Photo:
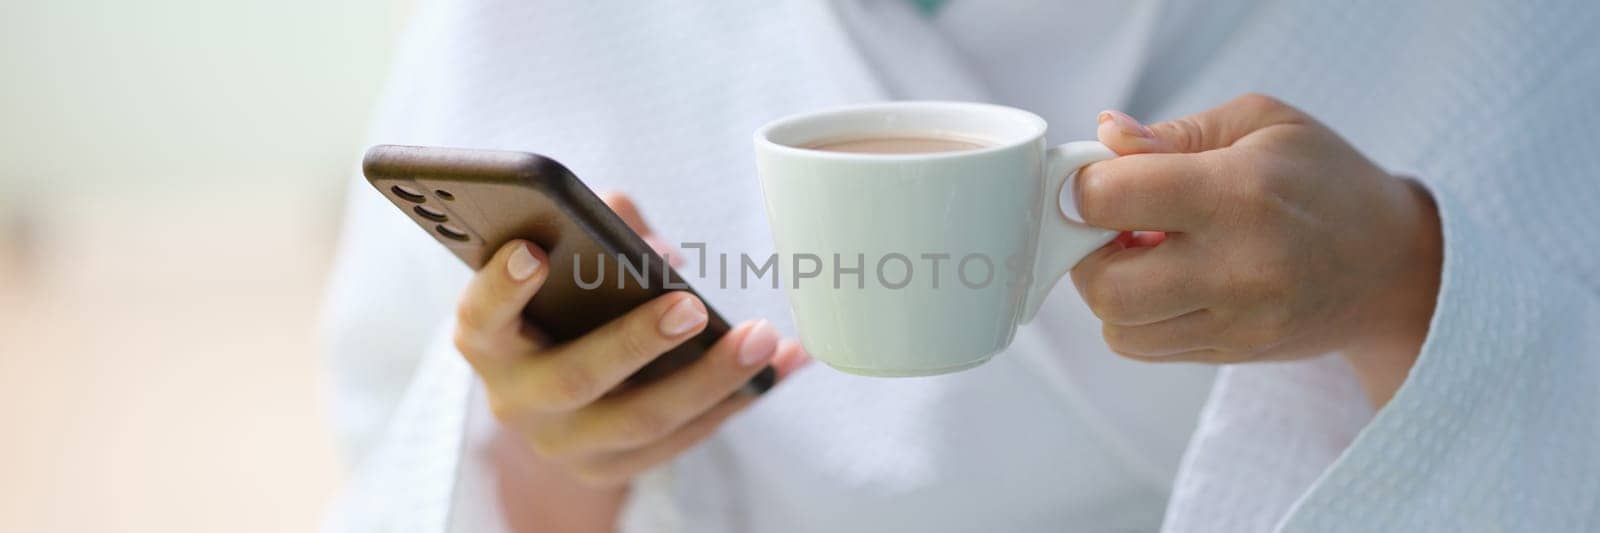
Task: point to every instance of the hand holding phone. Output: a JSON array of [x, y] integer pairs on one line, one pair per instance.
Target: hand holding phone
[[601, 381], [556, 395]]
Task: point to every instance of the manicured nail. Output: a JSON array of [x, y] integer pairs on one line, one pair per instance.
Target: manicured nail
[[681, 318], [759, 344], [522, 264], [1127, 124], [797, 357]]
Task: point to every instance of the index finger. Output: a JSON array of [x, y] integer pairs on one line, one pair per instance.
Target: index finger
[[583, 369], [1161, 192], [627, 211]]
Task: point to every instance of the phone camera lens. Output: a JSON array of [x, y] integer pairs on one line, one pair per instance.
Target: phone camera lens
[[409, 193], [452, 232], [445, 194], [430, 214]]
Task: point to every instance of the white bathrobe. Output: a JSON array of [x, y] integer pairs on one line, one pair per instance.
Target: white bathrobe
[[1491, 105]]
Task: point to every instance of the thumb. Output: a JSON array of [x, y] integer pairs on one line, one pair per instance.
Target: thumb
[[1215, 128]]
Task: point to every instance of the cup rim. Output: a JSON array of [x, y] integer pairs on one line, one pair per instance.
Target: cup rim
[[763, 135]]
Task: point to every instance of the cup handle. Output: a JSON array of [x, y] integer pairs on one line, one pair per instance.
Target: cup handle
[[1062, 241]]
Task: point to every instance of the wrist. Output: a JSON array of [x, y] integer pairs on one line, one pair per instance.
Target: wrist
[[1399, 315]]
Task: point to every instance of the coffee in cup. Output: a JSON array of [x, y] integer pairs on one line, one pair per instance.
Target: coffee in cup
[[910, 143]]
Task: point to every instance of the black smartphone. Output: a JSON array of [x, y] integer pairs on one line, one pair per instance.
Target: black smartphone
[[474, 201]]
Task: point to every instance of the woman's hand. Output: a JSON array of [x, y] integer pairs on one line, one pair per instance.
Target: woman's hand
[[556, 397], [1261, 235]]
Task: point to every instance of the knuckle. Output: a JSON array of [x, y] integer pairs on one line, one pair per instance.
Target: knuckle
[[466, 342], [1189, 133], [466, 317], [1096, 295], [568, 387], [469, 317], [638, 340], [1258, 193], [505, 411], [549, 446], [1258, 102], [473, 345], [1271, 109], [1116, 338], [1107, 300], [541, 442], [644, 426]]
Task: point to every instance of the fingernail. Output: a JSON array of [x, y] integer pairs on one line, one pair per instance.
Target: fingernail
[[1127, 124], [759, 344], [680, 318], [522, 264], [796, 359]]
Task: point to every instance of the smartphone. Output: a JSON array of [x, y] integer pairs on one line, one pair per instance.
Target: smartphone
[[474, 201]]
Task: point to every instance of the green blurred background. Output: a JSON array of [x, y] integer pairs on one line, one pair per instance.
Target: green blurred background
[[171, 173]]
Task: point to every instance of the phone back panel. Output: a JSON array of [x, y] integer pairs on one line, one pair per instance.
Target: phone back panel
[[474, 201]]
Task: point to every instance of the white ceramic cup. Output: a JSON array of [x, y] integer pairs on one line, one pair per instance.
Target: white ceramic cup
[[886, 253]]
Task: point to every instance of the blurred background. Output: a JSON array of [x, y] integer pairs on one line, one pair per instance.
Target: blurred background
[[171, 174]]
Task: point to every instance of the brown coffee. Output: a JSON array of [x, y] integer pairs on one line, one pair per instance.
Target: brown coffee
[[901, 144]]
